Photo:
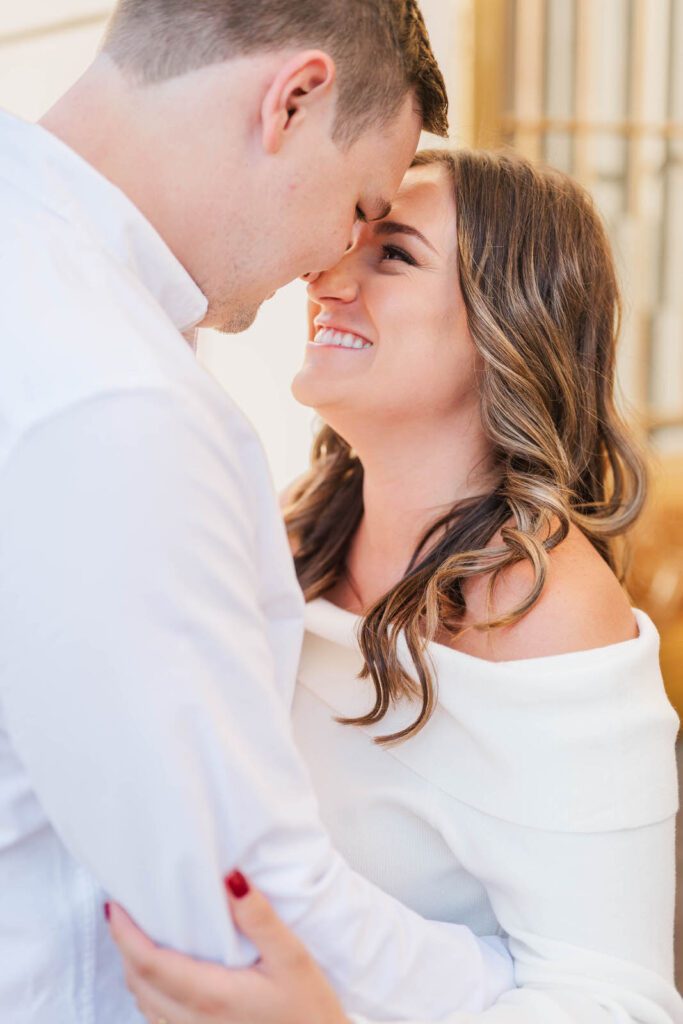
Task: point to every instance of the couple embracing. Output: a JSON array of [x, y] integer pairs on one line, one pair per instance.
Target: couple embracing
[[456, 798]]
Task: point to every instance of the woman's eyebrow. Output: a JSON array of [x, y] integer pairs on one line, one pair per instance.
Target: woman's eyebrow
[[393, 227]]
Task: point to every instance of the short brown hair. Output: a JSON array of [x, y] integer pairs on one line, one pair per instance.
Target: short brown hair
[[381, 48]]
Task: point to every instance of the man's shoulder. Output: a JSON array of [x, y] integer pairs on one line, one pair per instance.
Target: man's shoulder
[[78, 328], [76, 324]]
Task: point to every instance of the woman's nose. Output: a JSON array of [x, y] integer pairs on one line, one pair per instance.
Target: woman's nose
[[337, 283]]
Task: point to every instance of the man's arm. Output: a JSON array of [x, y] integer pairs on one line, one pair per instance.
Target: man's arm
[[138, 686]]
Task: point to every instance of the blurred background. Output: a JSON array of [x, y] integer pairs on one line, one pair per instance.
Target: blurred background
[[590, 86]]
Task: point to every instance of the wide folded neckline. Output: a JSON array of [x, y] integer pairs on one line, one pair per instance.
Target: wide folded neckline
[[327, 619], [594, 725]]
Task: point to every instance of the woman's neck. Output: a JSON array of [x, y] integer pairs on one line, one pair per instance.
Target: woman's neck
[[411, 478]]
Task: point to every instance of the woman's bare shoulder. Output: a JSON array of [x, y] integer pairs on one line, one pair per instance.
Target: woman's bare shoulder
[[582, 606]]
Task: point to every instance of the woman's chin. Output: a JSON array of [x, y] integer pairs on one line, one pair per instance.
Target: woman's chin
[[319, 391], [335, 380]]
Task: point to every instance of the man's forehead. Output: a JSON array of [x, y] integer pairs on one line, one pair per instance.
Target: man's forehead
[[390, 151], [379, 198], [379, 209]]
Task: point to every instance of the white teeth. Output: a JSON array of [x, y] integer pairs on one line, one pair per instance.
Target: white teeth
[[339, 339]]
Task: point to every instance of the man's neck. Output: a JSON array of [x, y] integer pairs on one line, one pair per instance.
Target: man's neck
[[155, 143], [100, 119]]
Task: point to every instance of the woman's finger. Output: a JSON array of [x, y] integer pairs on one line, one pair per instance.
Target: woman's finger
[[199, 987], [256, 919], [155, 1004], [142, 957]]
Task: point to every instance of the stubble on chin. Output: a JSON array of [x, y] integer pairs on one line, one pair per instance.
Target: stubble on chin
[[232, 319]]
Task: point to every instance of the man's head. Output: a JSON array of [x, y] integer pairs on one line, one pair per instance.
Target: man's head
[[289, 119]]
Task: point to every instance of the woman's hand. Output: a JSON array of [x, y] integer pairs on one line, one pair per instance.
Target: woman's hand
[[285, 986]]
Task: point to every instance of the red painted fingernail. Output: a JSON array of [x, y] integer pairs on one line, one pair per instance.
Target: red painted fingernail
[[107, 911], [237, 884]]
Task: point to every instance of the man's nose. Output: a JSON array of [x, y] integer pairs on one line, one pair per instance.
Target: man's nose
[[313, 275]]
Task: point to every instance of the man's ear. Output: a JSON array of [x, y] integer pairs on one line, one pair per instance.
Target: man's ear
[[305, 80]]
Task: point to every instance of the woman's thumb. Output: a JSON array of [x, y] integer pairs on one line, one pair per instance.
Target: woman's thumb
[[257, 920]]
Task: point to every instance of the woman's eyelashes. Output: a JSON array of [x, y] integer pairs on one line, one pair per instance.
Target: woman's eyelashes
[[394, 252]]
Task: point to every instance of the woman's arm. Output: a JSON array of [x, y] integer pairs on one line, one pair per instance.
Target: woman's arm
[[590, 920]]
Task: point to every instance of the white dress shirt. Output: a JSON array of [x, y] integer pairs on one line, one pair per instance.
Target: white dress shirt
[[538, 803], [150, 629]]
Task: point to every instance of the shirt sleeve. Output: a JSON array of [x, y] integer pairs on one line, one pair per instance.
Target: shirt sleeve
[[137, 686], [590, 923]]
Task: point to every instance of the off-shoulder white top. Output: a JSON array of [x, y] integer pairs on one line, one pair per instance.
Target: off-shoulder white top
[[537, 804]]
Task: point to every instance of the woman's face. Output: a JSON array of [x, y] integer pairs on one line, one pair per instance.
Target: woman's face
[[396, 293]]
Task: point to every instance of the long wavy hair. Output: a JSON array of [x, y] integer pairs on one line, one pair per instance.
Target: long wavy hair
[[543, 308]]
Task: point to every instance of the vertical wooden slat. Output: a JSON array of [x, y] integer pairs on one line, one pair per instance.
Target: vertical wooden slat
[[664, 275], [462, 117], [641, 320], [636, 81], [489, 71], [529, 73], [667, 346], [560, 70], [583, 79]]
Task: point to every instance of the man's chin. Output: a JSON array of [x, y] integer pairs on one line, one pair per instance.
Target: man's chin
[[236, 320]]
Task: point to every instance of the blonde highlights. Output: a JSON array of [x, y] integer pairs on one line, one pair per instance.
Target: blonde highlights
[[543, 308]]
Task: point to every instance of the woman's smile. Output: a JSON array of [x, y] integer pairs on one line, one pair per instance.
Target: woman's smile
[[330, 337]]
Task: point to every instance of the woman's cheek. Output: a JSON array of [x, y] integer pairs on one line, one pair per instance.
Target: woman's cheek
[[405, 380], [434, 379]]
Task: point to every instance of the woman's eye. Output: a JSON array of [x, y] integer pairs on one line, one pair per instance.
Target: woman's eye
[[393, 252]]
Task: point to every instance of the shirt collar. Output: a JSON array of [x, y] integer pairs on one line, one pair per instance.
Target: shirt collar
[[40, 163]]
